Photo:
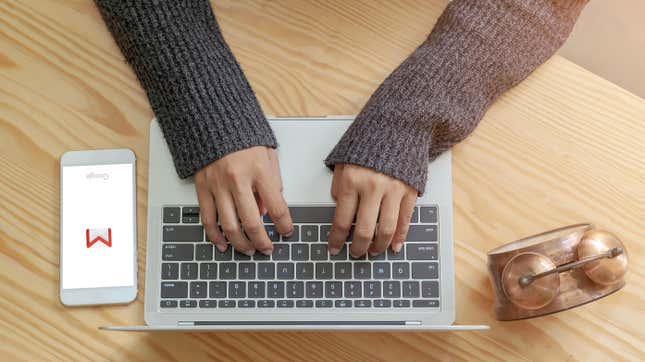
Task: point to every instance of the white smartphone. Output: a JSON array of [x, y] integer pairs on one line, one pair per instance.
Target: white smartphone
[[98, 229]]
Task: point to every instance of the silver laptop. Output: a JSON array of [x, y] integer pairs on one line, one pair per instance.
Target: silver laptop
[[190, 285]]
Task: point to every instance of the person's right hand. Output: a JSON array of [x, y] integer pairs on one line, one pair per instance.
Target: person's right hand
[[243, 185]]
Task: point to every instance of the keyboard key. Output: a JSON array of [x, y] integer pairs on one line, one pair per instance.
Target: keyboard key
[[319, 252], [189, 271], [362, 303], [207, 303], [256, 289], [304, 303], [304, 271], [224, 256], [422, 233], [343, 271], [309, 233], [343, 303], [183, 233], [217, 290], [361, 257], [415, 215], [342, 255], [300, 252], [275, 289], [430, 289], [188, 304], [324, 270], [285, 271], [266, 303], [246, 303], [333, 289], [240, 256], [190, 211], [168, 304], [410, 289], [372, 289], [391, 289], [227, 271], [353, 290], [314, 289], [425, 271], [425, 251], [381, 270], [280, 252], [425, 303], [170, 215], [169, 271], [382, 303], [174, 289], [190, 219], [362, 270], [293, 237], [177, 252], [324, 303], [226, 304], [246, 271], [285, 303], [400, 270], [428, 214], [400, 303], [237, 289], [204, 252], [261, 257], [198, 289], [312, 214], [324, 232], [266, 271], [272, 232], [295, 289], [391, 255], [208, 271]]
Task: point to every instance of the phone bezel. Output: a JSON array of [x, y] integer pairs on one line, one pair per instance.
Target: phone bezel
[[104, 295]]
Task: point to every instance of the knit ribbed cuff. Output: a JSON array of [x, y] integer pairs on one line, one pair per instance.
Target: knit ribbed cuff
[[385, 150]]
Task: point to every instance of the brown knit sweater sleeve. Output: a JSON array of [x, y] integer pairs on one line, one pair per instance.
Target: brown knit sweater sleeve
[[477, 50]]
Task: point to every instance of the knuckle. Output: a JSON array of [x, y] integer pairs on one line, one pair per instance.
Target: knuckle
[[230, 229], [363, 233], [279, 211], [253, 229], [342, 226], [386, 230]]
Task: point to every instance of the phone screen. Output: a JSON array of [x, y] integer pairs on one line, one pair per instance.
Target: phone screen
[[97, 226]]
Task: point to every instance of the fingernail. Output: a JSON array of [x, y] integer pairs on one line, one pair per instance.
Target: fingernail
[[221, 247], [267, 252], [374, 253], [250, 252], [397, 247], [289, 233], [334, 251]]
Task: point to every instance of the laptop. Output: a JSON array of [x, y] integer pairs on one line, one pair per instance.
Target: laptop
[[190, 285]]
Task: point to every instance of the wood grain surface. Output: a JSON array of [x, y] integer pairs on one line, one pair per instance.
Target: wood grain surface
[[565, 146]]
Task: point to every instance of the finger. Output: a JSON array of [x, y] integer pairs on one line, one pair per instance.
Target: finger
[[368, 210], [387, 222], [275, 204], [346, 206], [230, 224], [403, 223], [209, 216], [275, 166], [252, 223]]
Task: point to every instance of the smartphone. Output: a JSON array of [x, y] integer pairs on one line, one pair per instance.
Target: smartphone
[[98, 244]]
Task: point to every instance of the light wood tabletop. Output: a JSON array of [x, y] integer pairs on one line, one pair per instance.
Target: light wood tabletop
[[565, 146]]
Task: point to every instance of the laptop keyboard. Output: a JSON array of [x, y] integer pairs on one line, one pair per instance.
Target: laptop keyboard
[[300, 273]]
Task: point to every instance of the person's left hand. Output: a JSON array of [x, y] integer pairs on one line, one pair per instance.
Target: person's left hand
[[372, 197]]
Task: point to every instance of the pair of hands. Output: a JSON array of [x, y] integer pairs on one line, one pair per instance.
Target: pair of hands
[[242, 186]]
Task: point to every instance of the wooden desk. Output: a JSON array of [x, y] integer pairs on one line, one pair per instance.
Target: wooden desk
[[563, 147]]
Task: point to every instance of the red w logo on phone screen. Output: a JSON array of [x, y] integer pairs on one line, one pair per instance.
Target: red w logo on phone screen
[[104, 235]]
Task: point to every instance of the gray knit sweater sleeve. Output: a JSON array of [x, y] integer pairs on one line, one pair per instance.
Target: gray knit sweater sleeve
[[196, 88], [477, 50]]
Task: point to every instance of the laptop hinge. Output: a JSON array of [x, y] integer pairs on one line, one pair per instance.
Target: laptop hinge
[[412, 323], [185, 323]]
